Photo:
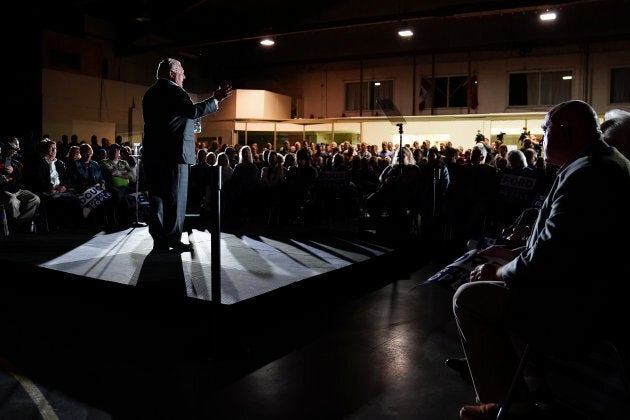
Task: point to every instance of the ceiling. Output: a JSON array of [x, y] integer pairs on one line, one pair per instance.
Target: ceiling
[[224, 35]]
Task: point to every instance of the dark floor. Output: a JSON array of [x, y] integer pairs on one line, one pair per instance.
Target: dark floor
[[361, 341]]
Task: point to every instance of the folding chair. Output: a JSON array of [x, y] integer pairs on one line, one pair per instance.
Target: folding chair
[[615, 346]]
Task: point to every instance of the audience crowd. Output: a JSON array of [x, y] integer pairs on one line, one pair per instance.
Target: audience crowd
[[456, 193]]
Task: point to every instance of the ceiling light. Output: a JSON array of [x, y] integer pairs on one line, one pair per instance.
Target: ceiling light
[[569, 77], [405, 32], [267, 42], [548, 16]]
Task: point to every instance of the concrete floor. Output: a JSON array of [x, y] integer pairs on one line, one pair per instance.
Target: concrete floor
[[312, 325]]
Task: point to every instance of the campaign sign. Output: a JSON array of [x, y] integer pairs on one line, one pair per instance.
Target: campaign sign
[[458, 272]]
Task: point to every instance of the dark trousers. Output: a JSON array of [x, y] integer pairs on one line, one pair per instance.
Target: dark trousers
[[168, 193]]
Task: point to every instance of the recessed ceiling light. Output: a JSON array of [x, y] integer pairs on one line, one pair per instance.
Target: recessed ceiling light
[[548, 16], [405, 33], [267, 42]]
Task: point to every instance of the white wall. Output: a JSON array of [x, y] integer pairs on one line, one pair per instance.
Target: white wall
[[320, 92], [69, 97], [590, 67]]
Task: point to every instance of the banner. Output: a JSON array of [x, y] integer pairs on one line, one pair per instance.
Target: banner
[[140, 197], [458, 272], [94, 197]]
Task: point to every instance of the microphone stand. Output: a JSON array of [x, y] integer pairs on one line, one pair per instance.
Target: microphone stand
[[400, 150], [138, 223]]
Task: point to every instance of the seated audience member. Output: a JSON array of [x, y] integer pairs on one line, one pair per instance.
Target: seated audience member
[[226, 175], [127, 154], [117, 170], [242, 190], [301, 178], [100, 155], [20, 204], [273, 174], [87, 179], [86, 172], [211, 158], [73, 154], [398, 186], [272, 180], [434, 183], [518, 188], [562, 288], [50, 180], [198, 182], [119, 175], [50, 174], [290, 161], [385, 152], [616, 129], [474, 196]]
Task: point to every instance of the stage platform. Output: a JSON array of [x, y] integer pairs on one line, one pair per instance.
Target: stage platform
[[252, 263]]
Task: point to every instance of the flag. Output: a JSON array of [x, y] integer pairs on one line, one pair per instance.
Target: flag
[[473, 102], [426, 87]]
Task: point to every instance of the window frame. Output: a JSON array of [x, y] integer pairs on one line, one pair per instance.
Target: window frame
[[544, 77], [369, 91], [449, 95], [611, 91]]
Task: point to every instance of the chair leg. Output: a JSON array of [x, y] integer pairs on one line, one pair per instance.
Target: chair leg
[[43, 218], [5, 223], [505, 407]]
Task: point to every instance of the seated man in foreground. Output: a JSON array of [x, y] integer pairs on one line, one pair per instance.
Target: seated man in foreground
[[563, 287]]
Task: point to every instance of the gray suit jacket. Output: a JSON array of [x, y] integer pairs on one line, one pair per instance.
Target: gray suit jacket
[[168, 114]]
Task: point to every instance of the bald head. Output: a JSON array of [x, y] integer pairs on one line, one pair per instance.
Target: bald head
[[580, 118], [616, 129], [569, 128]]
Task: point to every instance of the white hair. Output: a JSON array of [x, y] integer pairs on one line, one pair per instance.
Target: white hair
[[482, 150], [515, 156], [167, 65]]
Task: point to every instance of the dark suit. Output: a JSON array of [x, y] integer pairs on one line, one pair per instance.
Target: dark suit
[[566, 286], [574, 260], [168, 148], [39, 177], [59, 209]]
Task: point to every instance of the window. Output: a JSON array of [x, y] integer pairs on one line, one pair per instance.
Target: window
[[450, 92], [447, 92], [620, 85], [249, 137], [539, 88], [364, 95]]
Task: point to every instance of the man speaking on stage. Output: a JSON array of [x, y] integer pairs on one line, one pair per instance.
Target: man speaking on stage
[[168, 148]]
